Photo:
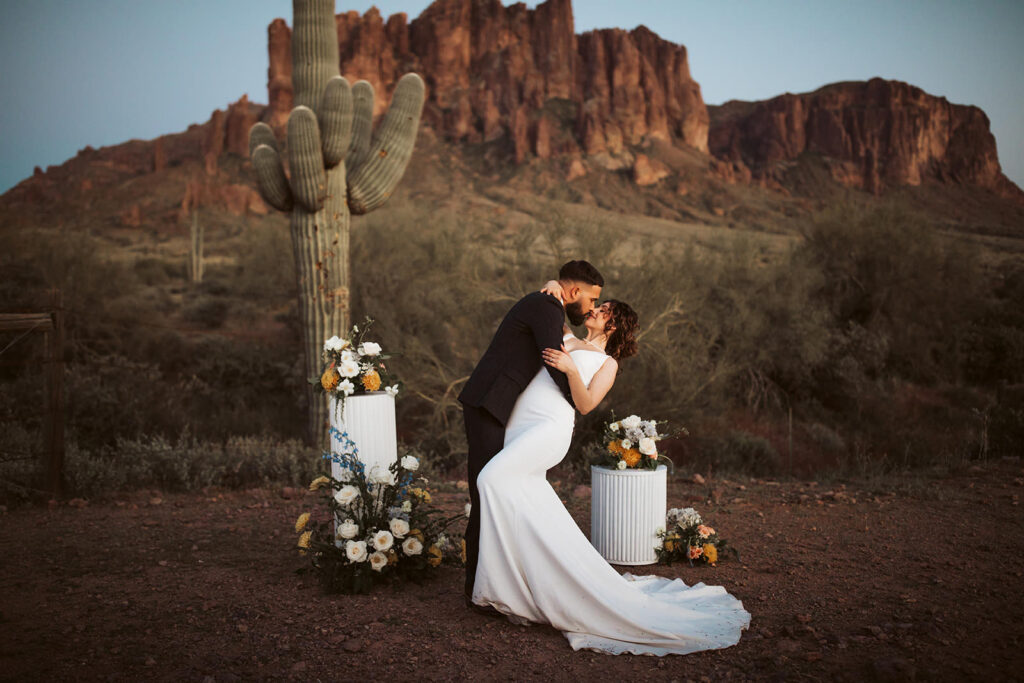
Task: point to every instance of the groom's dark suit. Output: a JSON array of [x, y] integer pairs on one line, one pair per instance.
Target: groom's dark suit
[[513, 359]]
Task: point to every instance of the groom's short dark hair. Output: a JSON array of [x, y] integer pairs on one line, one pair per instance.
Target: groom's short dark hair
[[581, 271]]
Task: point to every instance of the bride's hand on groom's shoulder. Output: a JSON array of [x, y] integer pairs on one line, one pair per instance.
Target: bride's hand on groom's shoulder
[[559, 359], [553, 288]]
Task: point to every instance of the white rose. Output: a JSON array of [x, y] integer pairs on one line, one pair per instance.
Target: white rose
[[627, 444], [392, 390], [378, 561], [382, 540], [410, 463], [631, 422], [647, 446], [346, 495], [356, 551], [399, 527], [346, 387], [614, 426], [380, 475], [348, 368], [621, 464], [348, 529], [469, 509], [412, 546], [333, 344], [369, 349], [406, 506]]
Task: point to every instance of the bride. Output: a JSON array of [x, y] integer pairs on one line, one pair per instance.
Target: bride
[[535, 565]]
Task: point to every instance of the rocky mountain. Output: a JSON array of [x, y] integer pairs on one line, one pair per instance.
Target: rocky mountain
[[874, 135], [494, 71], [519, 103]]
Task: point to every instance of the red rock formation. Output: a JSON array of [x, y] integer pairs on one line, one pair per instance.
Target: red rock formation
[[159, 155], [487, 65], [647, 171], [874, 135]]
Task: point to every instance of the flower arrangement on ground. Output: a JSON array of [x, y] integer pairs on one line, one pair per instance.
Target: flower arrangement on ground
[[378, 526], [686, 537], [354, 366], [632, 443]]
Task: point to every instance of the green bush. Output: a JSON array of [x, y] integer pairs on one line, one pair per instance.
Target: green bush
[[739, 452]]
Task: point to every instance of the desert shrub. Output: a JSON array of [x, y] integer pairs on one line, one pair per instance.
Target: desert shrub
[[207, 312], [187, 464], [892, 274], [739, 452]]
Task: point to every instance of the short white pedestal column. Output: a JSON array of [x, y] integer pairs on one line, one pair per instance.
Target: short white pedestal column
[[369, 420], [626, 509]]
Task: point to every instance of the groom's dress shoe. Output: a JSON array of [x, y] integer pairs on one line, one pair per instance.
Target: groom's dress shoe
[[481, 609]]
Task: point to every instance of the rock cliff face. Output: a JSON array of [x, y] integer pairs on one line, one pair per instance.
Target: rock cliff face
[[494, 71], [873, 135]]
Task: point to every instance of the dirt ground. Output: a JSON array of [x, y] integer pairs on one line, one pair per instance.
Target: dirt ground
[[916, 577]]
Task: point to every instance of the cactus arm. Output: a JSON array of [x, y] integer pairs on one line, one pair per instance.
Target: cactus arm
[[372, 181], [314, 49], [305, 159], [262, 134], [335, 115], [270, 178], [362, 123]]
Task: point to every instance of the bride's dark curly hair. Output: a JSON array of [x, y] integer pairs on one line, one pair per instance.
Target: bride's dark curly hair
[[622, 340]]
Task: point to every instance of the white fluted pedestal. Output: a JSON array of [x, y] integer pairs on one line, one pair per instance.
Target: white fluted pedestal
[[627, 507], [369, 420]]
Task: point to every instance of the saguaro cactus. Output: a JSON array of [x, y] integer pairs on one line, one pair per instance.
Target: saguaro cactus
[[337, 167]]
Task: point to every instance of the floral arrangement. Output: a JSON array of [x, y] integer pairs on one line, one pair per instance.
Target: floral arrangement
[[378, 527], [632, 443], [354, 366], [686, 537]]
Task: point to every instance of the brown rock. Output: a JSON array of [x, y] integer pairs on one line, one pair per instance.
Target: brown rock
[[159, 155], [132, 216], [486, 65], [647, 171], [576, 170], [213, 141], [874, 135]]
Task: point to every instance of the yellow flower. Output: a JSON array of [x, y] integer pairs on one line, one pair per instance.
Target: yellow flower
[[434, 556], [710, 553], [462, 554], [304, 539], [318, 482], [670, 542], [392, 556], [329, 380], [614, 447], [301, 522], [371, 381], [631, 456], [417, 534], [421, 494]]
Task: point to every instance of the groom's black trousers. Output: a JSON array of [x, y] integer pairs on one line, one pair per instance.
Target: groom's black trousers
[[485, 436]]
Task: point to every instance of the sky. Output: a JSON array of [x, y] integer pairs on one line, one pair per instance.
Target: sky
[[101, 72]]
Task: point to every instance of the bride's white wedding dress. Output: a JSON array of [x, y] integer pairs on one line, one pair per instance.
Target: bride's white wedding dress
[[537, 565]]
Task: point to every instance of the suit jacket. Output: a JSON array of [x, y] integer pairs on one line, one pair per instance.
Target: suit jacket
[[513, 358]]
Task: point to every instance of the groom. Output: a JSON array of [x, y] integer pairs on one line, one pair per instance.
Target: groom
[[513, 358]]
